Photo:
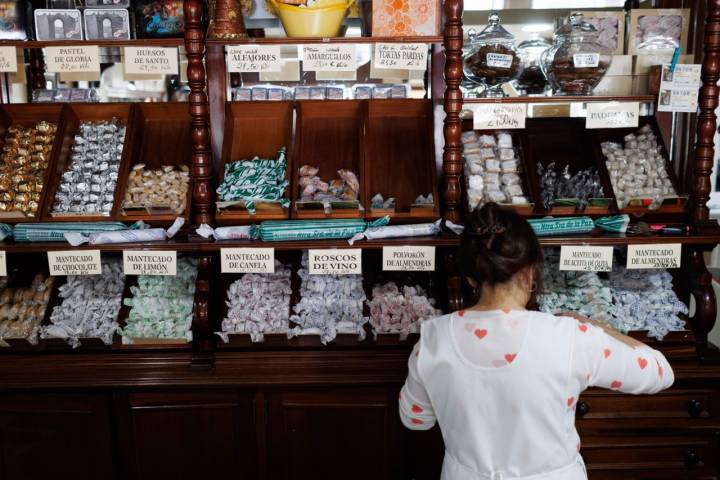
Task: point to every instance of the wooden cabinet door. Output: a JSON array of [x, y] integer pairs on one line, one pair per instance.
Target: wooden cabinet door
[[55, 436], [334, 433], [179, 434]]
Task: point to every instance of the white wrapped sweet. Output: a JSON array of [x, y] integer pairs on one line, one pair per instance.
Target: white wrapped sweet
[[329, 305], [258, 303], [90, 306], [394, 312]]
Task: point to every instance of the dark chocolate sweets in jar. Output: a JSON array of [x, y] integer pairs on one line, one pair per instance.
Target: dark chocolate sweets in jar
[[532, 80], [491, 58], [577, 61]]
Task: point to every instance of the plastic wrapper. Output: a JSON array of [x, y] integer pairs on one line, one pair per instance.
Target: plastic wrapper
[[313, 188], [240, 232], [280, 230], [22, 310], [136, 234], [581, 186], [545, 227], [394, 231], [55, 231], [166, 187], [393, 311]]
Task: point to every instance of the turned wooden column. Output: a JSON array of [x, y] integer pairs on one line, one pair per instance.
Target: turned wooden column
[[707, 122], [452, 152], [37, 69], [201, 163]]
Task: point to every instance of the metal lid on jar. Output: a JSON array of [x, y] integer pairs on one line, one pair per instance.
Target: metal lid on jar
[[493, 32], [576, 29]]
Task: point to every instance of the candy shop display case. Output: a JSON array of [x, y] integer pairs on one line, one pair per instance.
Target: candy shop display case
[[328, 136], [256, 129], [398, 159], [160, 138], [73, 116], [29, 116]]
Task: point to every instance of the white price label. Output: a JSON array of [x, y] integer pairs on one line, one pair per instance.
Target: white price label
[[85, 58], [581, 258], [499, 60], [586, 60], [409, 56], [74, 262], [254, 58], [654, 256], [613, 115], [679, 89], [347, 261], [151, 60], [3, 264], [409, 259], [491, 116], [144, 262], [338, 57], [8, 59], [247, 260]]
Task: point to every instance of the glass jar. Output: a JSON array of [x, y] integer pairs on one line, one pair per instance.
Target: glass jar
[[532, 80], [577, 61], [491, 59]]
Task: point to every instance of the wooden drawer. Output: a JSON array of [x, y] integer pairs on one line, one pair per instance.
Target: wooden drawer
[[674, 408], [667, 457]]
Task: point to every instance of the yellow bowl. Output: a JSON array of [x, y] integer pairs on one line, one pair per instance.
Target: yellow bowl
[[311, 22]]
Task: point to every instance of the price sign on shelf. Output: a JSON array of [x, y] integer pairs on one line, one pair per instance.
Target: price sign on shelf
[[247, 260], [612, 115], [151, 60], [3, 264], [8, 59], [253, 58], [71, 262], [492, 116], [408, 56], [329, 58], [78, 58], [582, 258], [142, 262], [346, 261], [654, 256], [409, 259]]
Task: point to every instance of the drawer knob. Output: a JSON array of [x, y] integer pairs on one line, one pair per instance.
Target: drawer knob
[[696, 408], [582, 408], [692, 458]]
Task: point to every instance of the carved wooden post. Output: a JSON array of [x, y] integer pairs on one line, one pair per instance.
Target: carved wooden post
[[707, 123], [452, 155], [201, 164], [37, 69]]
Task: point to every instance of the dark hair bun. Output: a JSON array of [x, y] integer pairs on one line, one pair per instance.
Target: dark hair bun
[[497, 243]]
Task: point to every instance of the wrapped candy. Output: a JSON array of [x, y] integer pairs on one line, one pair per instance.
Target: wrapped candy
[[90, 306], [22, 310], [658, 32], [413, 230], [581, 186], [550, 226], [137, 233], [255, 180], [56, 231], [88, 184], [163, 188], [378, 202], [329, 304], [313, 188], [280, 230], [162, 306], [258, 304], [240, 232], [394, 312]]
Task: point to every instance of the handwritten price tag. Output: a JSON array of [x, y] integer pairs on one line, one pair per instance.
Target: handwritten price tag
[[329, 58], [84, 58], [613, 115], [410, 56], [586, 258], [654, 256], [151, 60], [254, 58], [8, 59], [491, 116]]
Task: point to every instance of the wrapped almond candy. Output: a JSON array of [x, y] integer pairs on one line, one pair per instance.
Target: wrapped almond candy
[[549, 226], [136, 233], [392, 311], [239, 232], [25, 157], [637, 169], [492, 169], [258, 304], [256, 180], [162, 306], [22, 310], [581, 186], [90, 306], [329, 305], [412, 230], [313, 188], [88, 184], [165, 187]]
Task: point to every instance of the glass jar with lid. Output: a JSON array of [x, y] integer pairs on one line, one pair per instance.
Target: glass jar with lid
[[491, 58], [577, 61], [532, 80]]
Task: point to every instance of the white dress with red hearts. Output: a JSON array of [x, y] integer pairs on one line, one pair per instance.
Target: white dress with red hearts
[[503, 386]]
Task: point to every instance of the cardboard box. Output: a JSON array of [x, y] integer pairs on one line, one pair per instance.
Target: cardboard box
[[647, 24], [606, 22]]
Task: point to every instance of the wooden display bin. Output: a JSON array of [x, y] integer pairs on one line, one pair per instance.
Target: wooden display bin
[[545, 141], [255, 129], [73, 116], [328, 136], [675, 206], [160, 136], [29, 115], [398, 159]]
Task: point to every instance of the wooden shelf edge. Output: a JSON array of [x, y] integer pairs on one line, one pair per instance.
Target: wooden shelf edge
[[304, 40], [133, 42], [564, 99]]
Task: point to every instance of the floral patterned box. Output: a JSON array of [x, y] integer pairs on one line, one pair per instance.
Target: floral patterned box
[[402, 18]]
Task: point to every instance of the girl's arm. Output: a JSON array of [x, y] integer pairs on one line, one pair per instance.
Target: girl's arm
[[416, 412]]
